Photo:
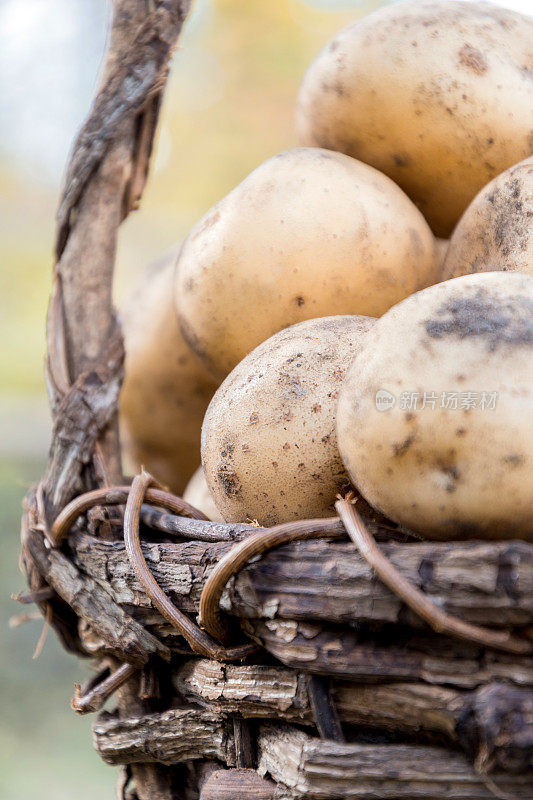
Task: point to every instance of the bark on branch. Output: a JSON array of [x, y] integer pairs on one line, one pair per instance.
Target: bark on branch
[[493, 724], [304, 766], [330, 581], [307, 768]]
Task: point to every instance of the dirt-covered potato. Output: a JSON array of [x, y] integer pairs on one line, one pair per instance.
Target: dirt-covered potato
[[496, 230], [269, 447], [166, 388], [437, 95], [198, 495], [309, 233], [435, 419]]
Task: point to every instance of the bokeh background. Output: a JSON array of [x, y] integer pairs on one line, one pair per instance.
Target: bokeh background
[[228, 107]]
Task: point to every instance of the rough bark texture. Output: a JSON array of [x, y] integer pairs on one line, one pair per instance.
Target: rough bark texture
[[345, 654], [483, 583], [493, 723], [176, 735], [237, 784], [124, 637], [305, 767], [302, 765]]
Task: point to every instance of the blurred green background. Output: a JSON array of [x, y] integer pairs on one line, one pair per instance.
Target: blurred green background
[[229, 106]]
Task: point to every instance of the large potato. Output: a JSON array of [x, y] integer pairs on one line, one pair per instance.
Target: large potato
[[435, 419], [309, 233], [437, 95], [166, 389], [269, 448], [496, 230]]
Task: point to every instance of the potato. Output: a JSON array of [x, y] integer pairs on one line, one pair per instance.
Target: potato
[[435, 419], [437, 95], [309, 233], [166, 389], [269, 448], [496, 230], [198, 495]]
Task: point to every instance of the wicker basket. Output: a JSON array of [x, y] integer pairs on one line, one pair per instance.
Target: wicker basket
[[349, 660]]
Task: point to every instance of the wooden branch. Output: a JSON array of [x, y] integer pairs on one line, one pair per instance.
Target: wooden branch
[[104, 181], [237, 784], [176, 735], [122, 635], [330, 580], [252, 691], [493, 723], [416, 600], [343, 654], [306, 767], [192, 529]]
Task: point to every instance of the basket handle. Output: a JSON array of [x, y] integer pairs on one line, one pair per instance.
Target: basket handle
[[104, 181]]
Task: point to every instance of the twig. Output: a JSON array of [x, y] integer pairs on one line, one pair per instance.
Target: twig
[[195, 529], [114, 497], [44, 633], [199, 641], [253, 546], [38, 596], [92, 697], [439, 620], [324, 712], [21, 619], [244, 748]]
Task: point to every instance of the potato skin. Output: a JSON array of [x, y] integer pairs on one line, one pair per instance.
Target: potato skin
[[269, 446], [449, 474], [309, 233], [198, 495], [496, 230], [166, 389], [437, 95]]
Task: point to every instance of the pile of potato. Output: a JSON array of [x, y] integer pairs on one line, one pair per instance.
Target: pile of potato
[[353, 345]]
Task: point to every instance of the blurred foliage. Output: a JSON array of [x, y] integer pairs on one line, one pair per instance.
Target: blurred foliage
[[229, 105]]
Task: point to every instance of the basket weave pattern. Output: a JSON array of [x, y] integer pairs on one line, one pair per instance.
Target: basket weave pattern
[[331, 666]]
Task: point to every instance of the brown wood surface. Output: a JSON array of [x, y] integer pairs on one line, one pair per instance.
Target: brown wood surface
[[170, 737], [104, 181], [479, 582], [344, 654], [237, 784], [494, 722], [307, 767], [303, 765]]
